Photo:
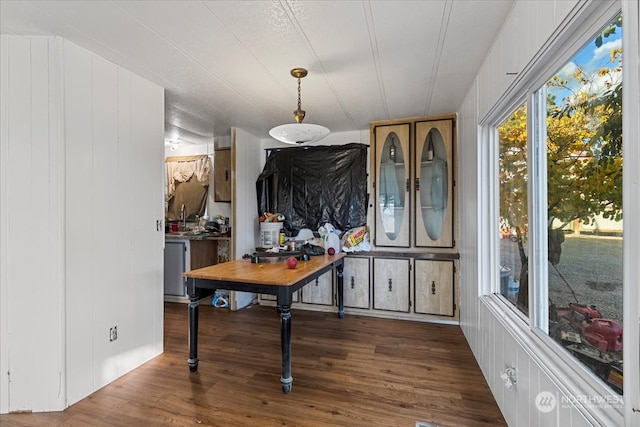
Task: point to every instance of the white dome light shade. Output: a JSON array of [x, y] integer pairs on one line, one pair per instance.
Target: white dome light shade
[[298, 133]]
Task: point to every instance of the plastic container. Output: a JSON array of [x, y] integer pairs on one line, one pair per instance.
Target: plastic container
[[505, 274], [270, 234], [333, 241], [513, 289]]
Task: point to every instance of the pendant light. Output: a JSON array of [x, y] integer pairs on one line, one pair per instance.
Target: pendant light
[[298, 132]]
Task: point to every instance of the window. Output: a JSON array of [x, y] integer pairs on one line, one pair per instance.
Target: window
[[187, 185], [561, 232], [513, 207]]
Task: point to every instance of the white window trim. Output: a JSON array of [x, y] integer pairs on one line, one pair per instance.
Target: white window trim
[[537, 206], [631, 207]]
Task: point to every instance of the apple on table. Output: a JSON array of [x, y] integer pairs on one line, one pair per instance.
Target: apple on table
[[291, 262]]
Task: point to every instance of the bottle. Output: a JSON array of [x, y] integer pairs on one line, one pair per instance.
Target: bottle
[[281, 239]]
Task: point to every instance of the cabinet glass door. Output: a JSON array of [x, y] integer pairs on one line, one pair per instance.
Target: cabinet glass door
[[433, 192], [392, 162]]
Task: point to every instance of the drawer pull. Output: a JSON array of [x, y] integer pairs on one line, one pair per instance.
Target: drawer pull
[[353, 282], [316, 281], [390, 285], [433, 287]]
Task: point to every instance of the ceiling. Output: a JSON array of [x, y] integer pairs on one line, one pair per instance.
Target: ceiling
[[227, 64]]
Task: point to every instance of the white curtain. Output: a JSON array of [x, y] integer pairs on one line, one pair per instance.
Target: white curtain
[[182, 168]]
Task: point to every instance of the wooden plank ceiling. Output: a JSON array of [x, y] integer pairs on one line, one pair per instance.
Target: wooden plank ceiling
[[227, 63]]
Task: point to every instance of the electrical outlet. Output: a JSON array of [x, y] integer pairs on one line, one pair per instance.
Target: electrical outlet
[[113, 333]]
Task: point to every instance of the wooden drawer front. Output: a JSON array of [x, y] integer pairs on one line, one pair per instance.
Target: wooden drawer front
[[434, 287], [356, 282], [320, 290], [391, 284]]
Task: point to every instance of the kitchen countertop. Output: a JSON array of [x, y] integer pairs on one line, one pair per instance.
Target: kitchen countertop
[[190, 235]]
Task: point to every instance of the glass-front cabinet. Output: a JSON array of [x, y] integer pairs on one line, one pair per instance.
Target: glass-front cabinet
[[433, 183], [392, 181], [413, 184]]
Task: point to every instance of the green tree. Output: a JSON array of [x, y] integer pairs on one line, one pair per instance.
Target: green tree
[[584, 158]]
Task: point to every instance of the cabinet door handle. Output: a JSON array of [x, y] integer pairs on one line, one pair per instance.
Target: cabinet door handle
[[226, 175], [407, 185], [417, 184], [316, 281], [353, 282], [433, 287], [390, 285]]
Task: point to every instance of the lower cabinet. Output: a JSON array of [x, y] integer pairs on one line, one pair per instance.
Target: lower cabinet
[[404, 286], [319, 291], [391, 283], [356, 278], [433, 284], [185, 254]]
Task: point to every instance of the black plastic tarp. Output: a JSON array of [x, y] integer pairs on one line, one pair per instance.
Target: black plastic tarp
[[311, 186]]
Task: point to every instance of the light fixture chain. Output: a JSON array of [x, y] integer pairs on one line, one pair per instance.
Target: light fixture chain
[[299, 96]]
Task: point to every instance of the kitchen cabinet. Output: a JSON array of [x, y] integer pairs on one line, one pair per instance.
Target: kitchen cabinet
[[433, 183], [322, 292], [391, 283], [222, 175], [356, 274], [176, 262], [392, 184], [405, 285], [434, 290], [413, 183], [319, 291], [413, 187], [410, 273], [183, 254]]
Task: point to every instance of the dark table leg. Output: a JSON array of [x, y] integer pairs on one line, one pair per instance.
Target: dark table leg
[[284, 308], [340, 291], [193, 331]]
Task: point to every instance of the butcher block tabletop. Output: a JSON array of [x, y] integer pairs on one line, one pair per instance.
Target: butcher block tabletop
[[267, 271]]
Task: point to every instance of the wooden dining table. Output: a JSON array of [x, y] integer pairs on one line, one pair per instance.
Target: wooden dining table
[[262, 276]]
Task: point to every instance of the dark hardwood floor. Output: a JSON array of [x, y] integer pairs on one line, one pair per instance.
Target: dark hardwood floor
[[358, 371]]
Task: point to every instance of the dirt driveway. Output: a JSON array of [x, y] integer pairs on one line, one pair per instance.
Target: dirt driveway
[[591, 267]]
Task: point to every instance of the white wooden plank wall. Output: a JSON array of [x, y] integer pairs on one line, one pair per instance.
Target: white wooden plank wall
[[247, 155], [114, 124], [146, 214], [79, 224], [81, 191], [31, 317]]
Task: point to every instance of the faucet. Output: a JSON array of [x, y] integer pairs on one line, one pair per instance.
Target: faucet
[[183, 217]]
